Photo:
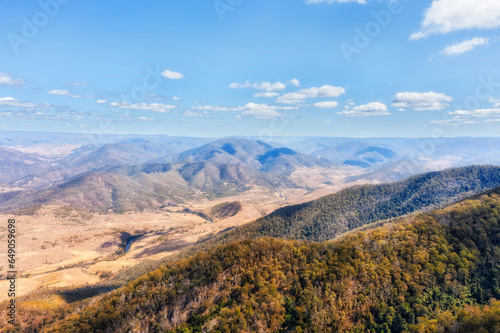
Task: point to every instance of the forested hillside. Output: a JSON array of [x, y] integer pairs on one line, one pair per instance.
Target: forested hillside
[[334, 214], [435, 271]]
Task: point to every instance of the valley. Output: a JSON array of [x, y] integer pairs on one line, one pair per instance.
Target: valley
[[78, 207]]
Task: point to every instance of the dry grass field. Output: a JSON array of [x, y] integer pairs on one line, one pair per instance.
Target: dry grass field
[[61, 246]]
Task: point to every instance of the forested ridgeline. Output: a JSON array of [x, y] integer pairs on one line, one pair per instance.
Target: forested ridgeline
[[437, 271], [351, 208]]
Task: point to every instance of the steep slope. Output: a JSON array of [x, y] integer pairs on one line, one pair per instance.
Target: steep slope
[[395, 278], [251, 154], [122, 189], [146, 186], [225, 179], [392, 172], [231, 150], [284, 161], [15, 164], [88, 158], [324, 218]]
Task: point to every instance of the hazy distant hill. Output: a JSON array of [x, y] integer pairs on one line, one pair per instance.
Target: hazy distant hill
[[89, 157], [15, 164], [223, 168], [129, 188], [31, 138], [358, 154], [432, 273]]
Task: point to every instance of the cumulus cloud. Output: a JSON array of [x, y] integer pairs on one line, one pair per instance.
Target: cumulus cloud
[[300, 96], [102, 101], [7, 80], [429, 101], [326, 105], [495, 101], [465, 46], [172, 75], [64, 93], [216, 108], [11, 101], [154, 107], [261, 111], [294, 82], [479, 113], [266, 94], [367, 110], [190, 113], [453, 122], [267, 86], [445, 16]]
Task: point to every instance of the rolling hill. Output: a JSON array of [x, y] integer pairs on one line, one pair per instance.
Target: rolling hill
[[255, 155], [428, 273], [357, 153], [15, 164], [104, 179], [93, 158]]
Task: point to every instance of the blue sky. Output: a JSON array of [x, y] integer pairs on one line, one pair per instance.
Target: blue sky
[[415, 68]]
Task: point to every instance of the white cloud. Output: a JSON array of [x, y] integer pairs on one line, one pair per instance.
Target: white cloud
[[495, 101], [466, 45], [11, 101], [326, 105], [146, 119], [294, 82], [175, 98], [154, 107], [262, 111], [367, 110], [429, 101], [267, 86], [102, 101], [216, 108], [445, 16], [266, 94], [64, 93], [314, 92], [479, 113], [189, 113], [453, 122], [6, 80], [172, 75]]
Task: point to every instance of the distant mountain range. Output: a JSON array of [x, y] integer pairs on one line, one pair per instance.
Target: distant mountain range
[[146, 172], [221, 168]]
